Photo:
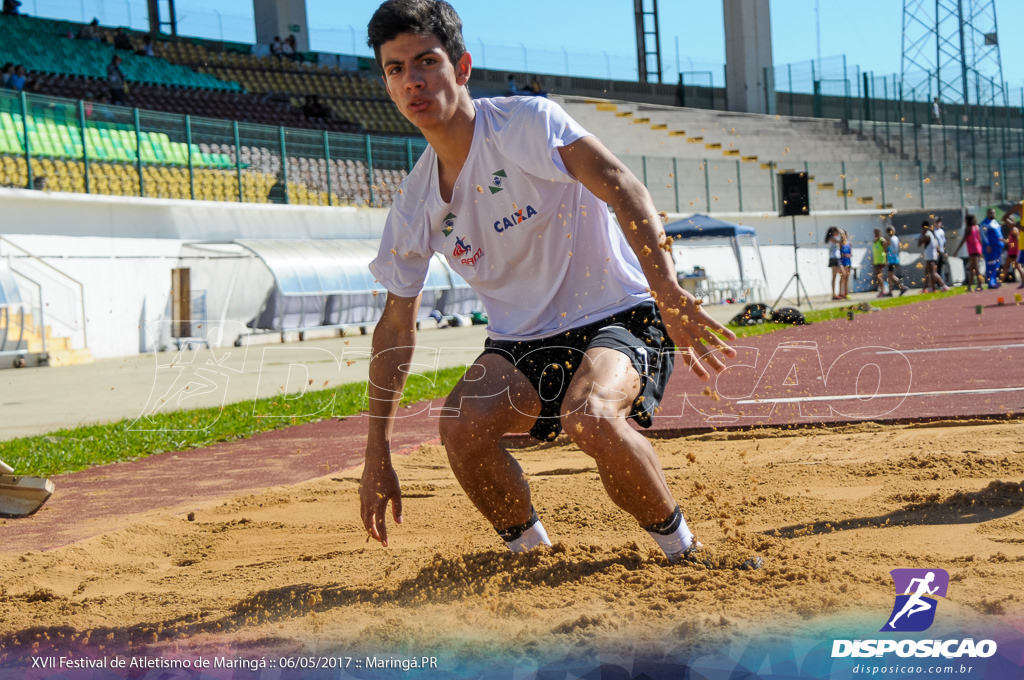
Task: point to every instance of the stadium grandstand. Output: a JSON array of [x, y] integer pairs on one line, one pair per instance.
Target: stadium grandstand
[[227, 127]]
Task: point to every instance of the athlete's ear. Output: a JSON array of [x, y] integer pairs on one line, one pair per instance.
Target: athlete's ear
[[463, 68]]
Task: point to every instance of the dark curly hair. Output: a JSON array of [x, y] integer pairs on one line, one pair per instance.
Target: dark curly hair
[[435, 17]]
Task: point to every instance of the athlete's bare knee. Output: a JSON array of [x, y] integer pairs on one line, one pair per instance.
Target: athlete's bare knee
[[594, 425]]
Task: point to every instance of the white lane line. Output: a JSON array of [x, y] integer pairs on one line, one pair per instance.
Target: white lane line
[[972, 348], [895, 395]]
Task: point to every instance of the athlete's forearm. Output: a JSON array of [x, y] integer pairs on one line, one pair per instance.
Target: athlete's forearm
[[394, 340], [645, 233], [386, 382]]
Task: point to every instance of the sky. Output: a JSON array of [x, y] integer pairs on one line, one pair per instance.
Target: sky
[[592, 37]]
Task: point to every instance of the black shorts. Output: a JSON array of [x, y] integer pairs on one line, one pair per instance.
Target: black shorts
[[550, 363], [833, 262]]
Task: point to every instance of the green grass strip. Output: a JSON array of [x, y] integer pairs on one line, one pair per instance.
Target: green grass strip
[[78, 448]]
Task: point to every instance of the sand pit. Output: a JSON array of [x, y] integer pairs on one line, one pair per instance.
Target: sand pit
[[289, 572]]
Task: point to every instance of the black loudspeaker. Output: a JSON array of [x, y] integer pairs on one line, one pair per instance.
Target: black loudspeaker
[[793, 198]]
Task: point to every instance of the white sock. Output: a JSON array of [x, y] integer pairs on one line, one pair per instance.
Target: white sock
[[673, 536], [530, 539]]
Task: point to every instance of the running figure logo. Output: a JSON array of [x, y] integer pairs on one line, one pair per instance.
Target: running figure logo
[[461, 247], [916, 593]]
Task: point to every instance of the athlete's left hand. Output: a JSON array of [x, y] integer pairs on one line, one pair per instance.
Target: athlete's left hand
[[698, 337]]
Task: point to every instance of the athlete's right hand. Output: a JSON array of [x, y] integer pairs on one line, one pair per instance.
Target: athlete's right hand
[[378, 487]]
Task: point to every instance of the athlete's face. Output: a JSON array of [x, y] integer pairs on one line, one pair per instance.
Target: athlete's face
[[422, 80]]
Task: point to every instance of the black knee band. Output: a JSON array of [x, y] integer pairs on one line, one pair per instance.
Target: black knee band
[[512, 533], [669, 525]]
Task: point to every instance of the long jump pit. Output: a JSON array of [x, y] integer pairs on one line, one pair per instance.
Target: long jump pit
[[283, 582], [891, 547]]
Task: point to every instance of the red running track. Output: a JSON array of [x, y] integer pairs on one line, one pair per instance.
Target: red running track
[[935, 359], [930, 360]]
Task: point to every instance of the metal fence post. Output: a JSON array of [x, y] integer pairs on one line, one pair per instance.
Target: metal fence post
[[138, 153], [881, 177], [739, 185], [643, 166], [963, 198], [920, 180], [191, 162], [284, 167], [1002, 179], [771, 185], [238, 162], [846, 197], [900, 115], [789, 71], [28, 145], [327, 165], [675, 179], [707, 185], [85, 146], [885, 93], [369, 168], [847, 109]]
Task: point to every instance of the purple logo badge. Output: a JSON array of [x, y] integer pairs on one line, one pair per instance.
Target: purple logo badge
[[917, 591]]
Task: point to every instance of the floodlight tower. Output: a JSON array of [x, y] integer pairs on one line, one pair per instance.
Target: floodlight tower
[[648, 42], [951, 48]]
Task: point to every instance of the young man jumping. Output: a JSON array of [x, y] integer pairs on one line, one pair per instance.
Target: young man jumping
[[582, 314]]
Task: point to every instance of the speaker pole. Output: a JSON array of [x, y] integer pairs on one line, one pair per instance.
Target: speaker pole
[[796, 274]]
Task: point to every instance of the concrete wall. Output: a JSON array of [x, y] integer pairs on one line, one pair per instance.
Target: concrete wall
[[123, 249], [279, 17], [748, 52]]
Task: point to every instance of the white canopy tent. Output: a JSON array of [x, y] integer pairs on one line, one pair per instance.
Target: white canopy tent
[[704, 227]]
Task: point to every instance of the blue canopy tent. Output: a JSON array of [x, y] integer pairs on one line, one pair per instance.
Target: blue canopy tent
[[705, 227]]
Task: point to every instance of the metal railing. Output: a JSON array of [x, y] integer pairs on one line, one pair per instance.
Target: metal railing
[[79, 146], [63, 308]]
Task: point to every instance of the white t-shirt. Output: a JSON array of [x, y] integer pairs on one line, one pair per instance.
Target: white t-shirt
[[940, 240], [931, 250], [540, 250]]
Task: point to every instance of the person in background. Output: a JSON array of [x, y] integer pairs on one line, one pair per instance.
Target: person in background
[[1013, 251], [892, 261], [115, 81], [91, 31], [972, 237], [147, 47], [833, 237], [878, 261], [511, 86], [122, 41], [18, 80], [992, 245], [290, 47], [942, 263], [845, 263], [5, 74], [537, 88], [932, 280]]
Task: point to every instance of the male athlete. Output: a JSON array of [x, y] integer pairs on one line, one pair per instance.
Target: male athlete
[[515, 194]]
